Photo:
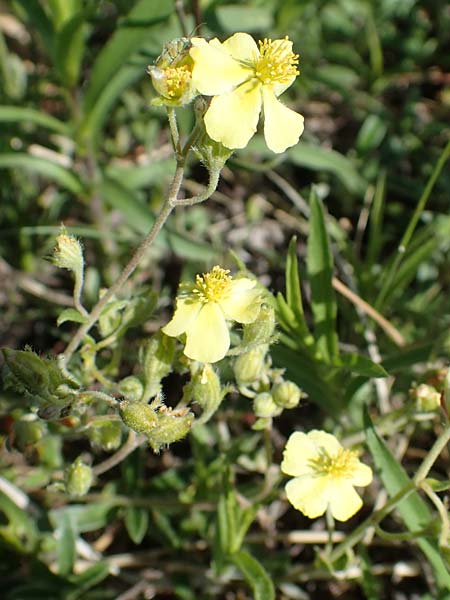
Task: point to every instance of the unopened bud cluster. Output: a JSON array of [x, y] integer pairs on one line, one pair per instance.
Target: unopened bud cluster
[[256, 378], [160, 425]]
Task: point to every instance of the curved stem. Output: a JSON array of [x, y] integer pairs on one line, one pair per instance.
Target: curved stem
[[130, 446], [131, 266], [432, 456], [357, 534]]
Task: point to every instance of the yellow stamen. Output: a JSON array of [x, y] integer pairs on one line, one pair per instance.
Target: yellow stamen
[[177, 79], [341, 465], [276, 62], [213, 286]]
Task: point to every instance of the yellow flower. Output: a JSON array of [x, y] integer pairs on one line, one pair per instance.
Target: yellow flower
[[244, 80], [203, 309], [325, 474]]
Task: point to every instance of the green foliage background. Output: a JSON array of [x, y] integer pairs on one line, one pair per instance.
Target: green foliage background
[[80, 143]]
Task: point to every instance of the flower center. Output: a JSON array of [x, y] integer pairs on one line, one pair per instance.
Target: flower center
[[276, 62], [213, 286], [339, 466], [177, 80]]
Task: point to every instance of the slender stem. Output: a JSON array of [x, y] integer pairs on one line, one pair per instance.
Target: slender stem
[[445, 524], [130, 446], [357, 534], [432, 456], [404, 243], [131, 266], [77, 289], [173, 126], [207, 193]]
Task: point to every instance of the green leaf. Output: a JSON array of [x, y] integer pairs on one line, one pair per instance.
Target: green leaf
[[97, 115], [255, 575], [84, 517], [90, 577], [38, 20], [17, 528], [137, 177], [22, 115], [65, 546], [360, 364], [136, 522], [71, 314], [127, 40], [321, 159], [371, 133], [413, 509], [69, 47], [235, 17], [320, 272], [46, 168]]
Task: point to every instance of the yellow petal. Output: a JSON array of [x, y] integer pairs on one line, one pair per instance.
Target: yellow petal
[[282, 126], [344, 501], [232, 118], [215, 71], [325, 441], [362, 475], [186, 312], [242, 46], [207, 338], [242, 303], [308, 495], [299, 451]]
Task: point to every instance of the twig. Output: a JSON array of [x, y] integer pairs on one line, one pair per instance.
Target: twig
[[387, 327]]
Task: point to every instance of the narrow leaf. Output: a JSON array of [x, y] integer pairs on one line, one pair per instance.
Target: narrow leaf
[[125, 42], [65, 549], [136, 522], [49, 170], [255, 575], [320, 272], [321, 159], [22, 115]]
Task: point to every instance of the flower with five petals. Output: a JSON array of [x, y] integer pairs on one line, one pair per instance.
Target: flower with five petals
[[203, 309], [324, 475], [244, 80]]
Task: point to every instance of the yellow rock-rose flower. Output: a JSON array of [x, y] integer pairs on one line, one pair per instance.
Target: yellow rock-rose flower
[[203, 309], [245, 79], [325, 474]]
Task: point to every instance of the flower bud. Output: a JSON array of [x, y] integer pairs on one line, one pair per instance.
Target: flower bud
[[172, 425], [138, 416], [28, 372], [212, 154], [262, 328], [173, 84], [67, 253], [286, 394], [250, 367], [79, 478], [28, 430], [264, 406], [156, 357], [105, 435], [204, 388], [131, 388], [427, 397]]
